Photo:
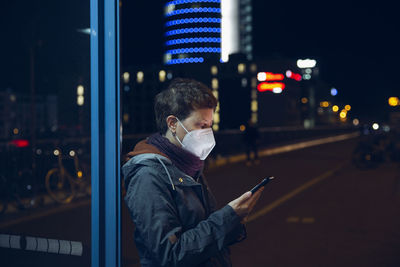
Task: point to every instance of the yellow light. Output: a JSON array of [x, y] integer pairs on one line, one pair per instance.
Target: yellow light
[[241, 68], [140, 77], [242, 128], [126, 77], [254, 117], [79, 174], [254, 83], [253, 67], [215, 93], [335, 108], [215, 127], [214, 83], [15, 131], [356, 122], [343, 115], [162, 75], [347, 107], [214, 70], [394, 101], [324, 104], [254, 105], [304, 100]]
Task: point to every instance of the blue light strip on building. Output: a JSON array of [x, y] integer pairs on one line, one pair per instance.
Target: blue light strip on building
[[185, 60], [192, 20], [180, 2], [194, 50], [193, 40], [193, 30], [194, 10]]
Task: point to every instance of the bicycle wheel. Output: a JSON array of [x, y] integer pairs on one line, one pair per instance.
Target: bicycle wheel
[[59, 187]]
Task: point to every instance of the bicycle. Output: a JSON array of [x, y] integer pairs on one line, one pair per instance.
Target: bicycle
[[64, 187], [18, 190]]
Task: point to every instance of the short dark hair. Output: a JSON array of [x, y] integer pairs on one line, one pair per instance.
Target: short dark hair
[[180, 99]]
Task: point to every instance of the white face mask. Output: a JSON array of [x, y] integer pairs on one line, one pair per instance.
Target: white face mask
[[199, 142]]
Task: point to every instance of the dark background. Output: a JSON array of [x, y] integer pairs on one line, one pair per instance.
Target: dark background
[[354, 42]]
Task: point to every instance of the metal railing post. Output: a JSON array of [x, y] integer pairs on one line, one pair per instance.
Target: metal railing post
[[105, 133]]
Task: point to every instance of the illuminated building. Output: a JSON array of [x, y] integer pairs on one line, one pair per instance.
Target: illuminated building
[[192, 31], [236, 28]]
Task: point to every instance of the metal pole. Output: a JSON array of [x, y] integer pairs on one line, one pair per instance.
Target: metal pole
[[105, 133]]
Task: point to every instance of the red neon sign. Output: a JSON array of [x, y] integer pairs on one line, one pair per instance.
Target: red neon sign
[[264, 86], [292, 75], [20, 143]]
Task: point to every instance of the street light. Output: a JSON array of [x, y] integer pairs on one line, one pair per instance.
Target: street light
[[306, 63], [394, 101]]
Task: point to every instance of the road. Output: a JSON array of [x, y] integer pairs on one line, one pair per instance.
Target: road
[[319, 211]]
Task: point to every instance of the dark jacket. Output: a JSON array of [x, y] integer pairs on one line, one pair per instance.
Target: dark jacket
[[174, 215]]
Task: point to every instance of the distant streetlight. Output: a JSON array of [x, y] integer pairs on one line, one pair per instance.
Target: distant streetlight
[[394, 101], [306, 63], [80, 99]]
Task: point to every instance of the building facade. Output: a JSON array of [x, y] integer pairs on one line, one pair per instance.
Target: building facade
[[192, 31]]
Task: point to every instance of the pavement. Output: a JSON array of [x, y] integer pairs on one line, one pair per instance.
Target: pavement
[[319, 211]]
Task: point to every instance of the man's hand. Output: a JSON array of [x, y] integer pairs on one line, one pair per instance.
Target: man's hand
[[245, 204]]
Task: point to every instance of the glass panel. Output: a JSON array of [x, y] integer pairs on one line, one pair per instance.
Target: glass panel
[[45, 133]]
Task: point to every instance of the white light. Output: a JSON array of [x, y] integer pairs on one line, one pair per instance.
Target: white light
[[375, 126], [306, 63], [56, 152], [72, 153], [80, 100], [289, 73], [386, 128], [126, 77], [308, 71], [333, 91], [84, 31], [261, 76], [306, 76], [356, 122], [80, 90], [230, 37], [277, 90], [140, 77]]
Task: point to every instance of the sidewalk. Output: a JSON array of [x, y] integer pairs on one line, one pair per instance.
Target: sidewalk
[[292, 146]]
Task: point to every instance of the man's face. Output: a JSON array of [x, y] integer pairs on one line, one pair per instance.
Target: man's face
[[198, 119]]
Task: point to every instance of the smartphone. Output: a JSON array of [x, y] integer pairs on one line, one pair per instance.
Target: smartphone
[[263, 183]]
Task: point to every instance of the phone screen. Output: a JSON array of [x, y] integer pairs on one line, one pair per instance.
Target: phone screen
[[263, 183]]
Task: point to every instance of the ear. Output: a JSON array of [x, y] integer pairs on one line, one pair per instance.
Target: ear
[[172, 123]]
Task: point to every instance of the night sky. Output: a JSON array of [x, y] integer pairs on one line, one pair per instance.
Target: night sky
[[355, 43]]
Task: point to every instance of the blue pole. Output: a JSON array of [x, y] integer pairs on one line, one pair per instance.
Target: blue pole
[[105, 117]]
